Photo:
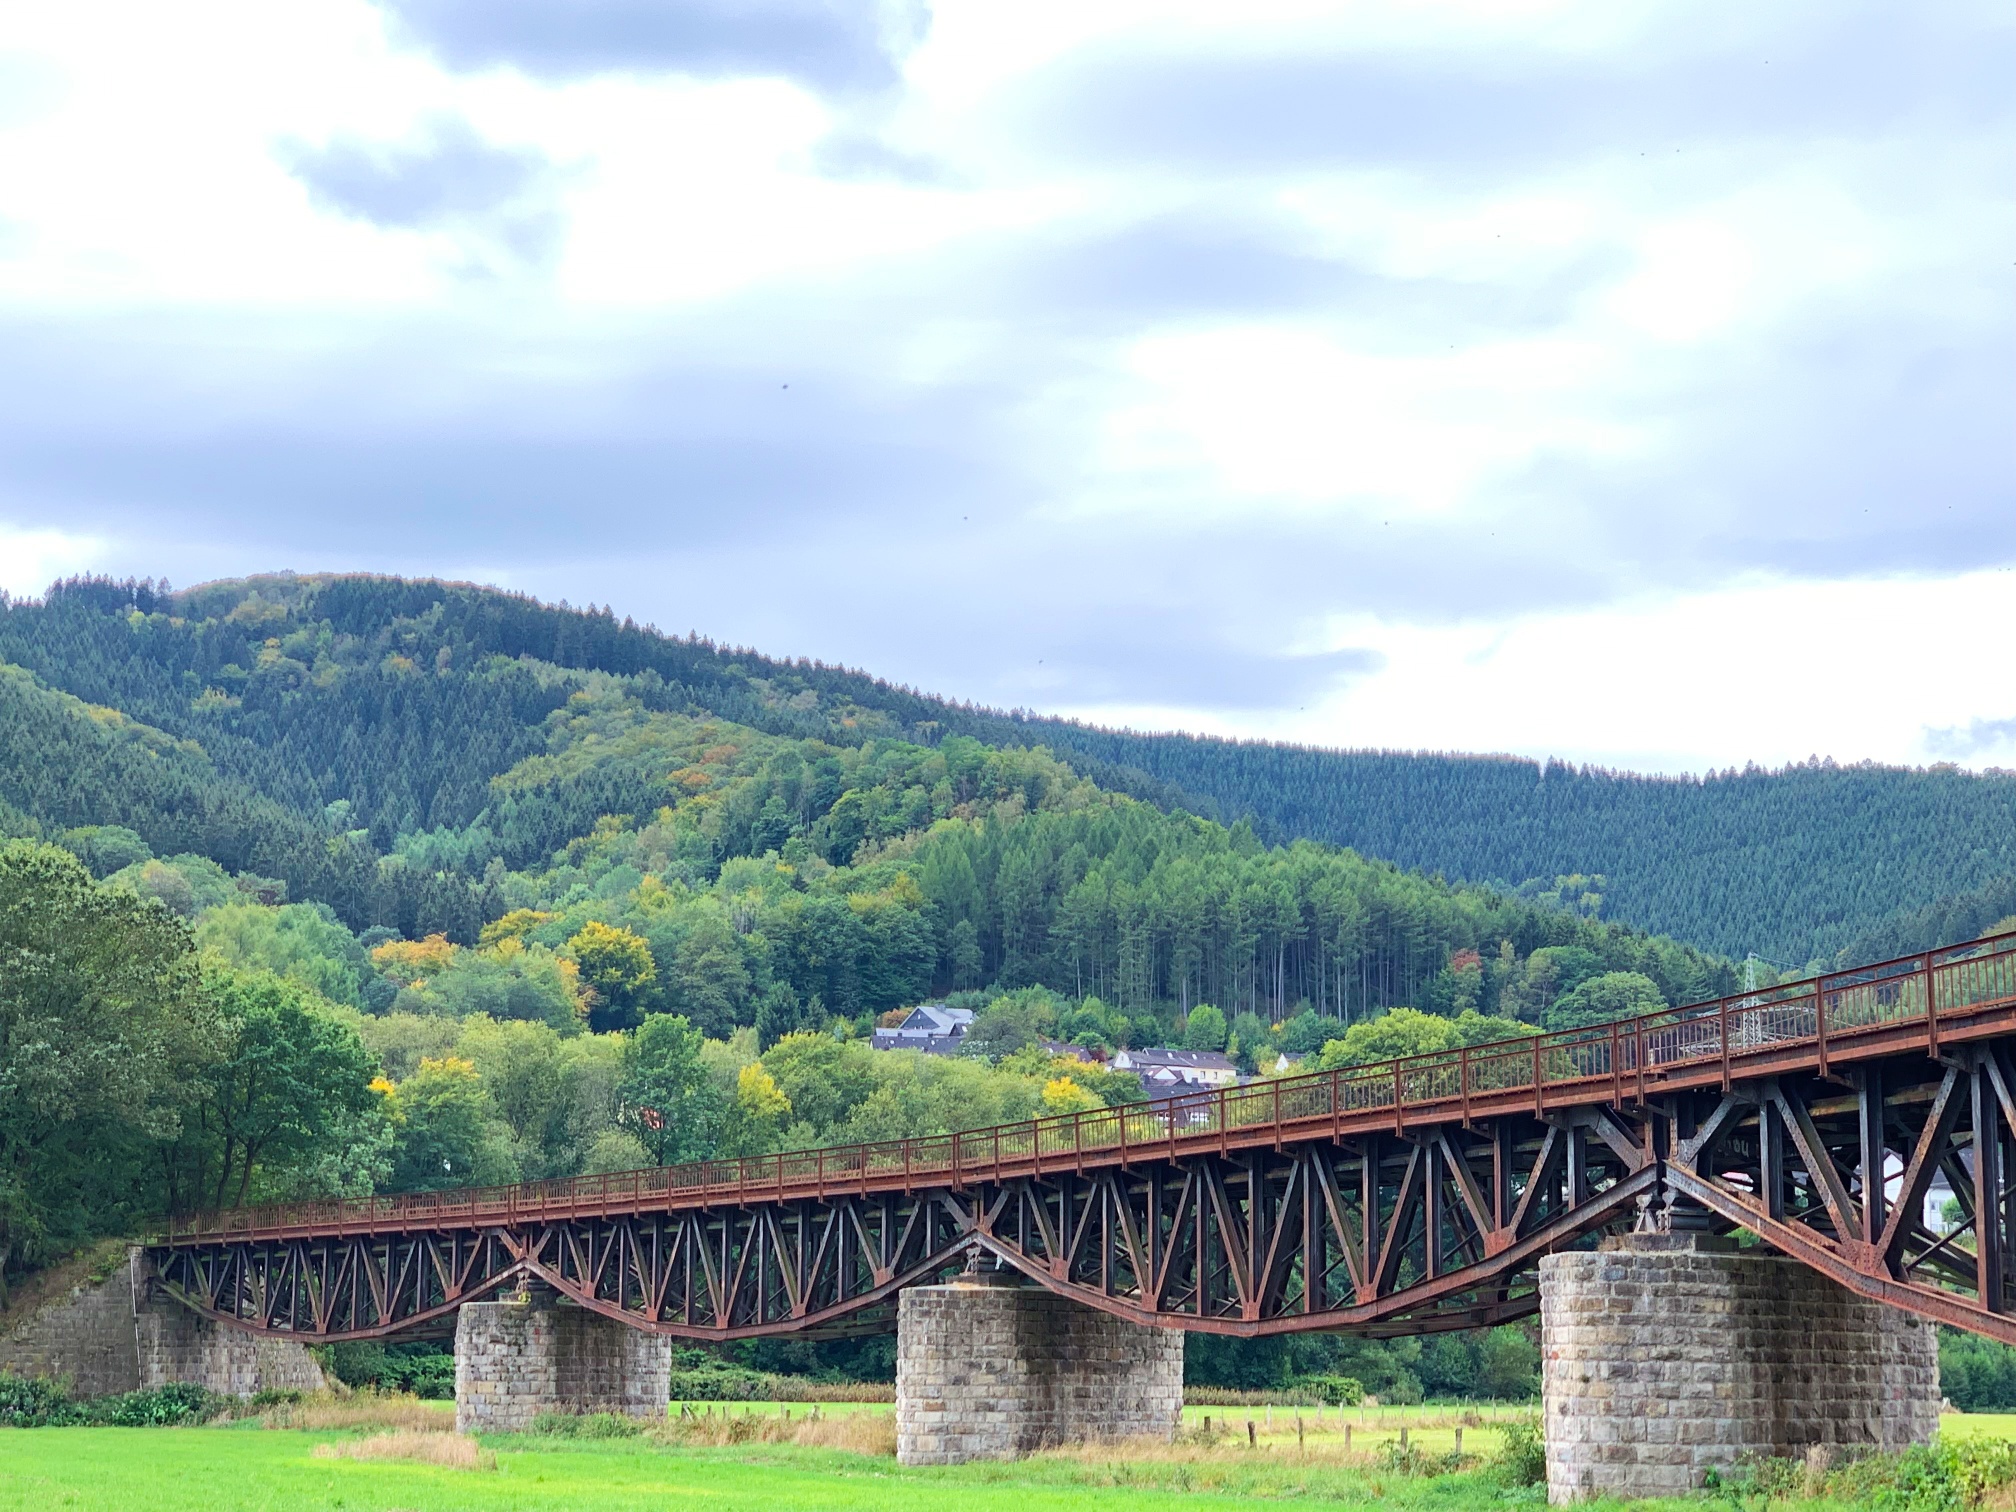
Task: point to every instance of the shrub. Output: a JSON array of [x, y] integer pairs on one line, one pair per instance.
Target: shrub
[[34, 1403], [1521, 1459], [423, 1370], [720, 1384], [729, 1383], [160, 1407], [589, 1425], [1333, 1391], [48, 1404]]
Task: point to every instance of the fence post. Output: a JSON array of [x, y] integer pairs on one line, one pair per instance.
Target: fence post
[[1931, 1010]]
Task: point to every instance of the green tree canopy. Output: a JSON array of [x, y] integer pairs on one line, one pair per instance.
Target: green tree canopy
[[290, 1090], [616, 965], [1205, 1029], [1599, 999], [103, 1028], [668, 1100], [446, 1130]]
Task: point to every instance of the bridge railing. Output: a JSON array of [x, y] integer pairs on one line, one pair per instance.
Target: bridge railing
[[1825, 1012]]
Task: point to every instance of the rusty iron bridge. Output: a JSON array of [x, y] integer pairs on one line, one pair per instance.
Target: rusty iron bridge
[[1401, 1198]]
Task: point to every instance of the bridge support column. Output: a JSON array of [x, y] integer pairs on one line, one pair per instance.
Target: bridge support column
[[1667, 1355], [989, 1367], [515, 1360]]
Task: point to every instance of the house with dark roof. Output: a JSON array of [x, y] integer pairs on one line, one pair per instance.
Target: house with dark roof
[[930, 1027]]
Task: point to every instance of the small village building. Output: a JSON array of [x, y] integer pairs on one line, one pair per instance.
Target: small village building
[[930, 1027], [1178, 1068]]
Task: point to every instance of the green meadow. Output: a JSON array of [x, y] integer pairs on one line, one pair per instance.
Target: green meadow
[[259, 1465]]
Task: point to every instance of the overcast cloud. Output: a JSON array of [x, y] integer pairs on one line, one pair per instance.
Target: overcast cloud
[[1628, 384]]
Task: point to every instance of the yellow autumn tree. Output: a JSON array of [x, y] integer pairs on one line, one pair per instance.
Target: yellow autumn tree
[[410, 961]]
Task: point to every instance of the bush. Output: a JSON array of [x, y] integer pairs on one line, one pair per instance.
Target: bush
[[722, 1384], [34, 1404], [422, 1370], [589, 1425], [1942, 1477], [161, 1407], [1333, 1390], [48, 1404], [729, 1383], [1521, 1459]]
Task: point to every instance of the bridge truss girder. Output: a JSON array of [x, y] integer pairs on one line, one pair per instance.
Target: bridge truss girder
[[1408, 1231], [1786, 1159], [1380, 1234]]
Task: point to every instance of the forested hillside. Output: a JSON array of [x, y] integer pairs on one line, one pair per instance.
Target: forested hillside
[[357, 743], [340, 690]]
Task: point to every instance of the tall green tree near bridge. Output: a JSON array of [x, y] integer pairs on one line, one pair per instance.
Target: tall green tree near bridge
[[103, 1027]]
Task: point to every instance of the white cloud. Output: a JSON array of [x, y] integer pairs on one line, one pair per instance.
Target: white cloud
[[1296, 414], [30, 560], [1632, 309], [1767, 671]]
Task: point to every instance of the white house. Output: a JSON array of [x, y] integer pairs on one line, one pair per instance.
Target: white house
[[1172, 1068]]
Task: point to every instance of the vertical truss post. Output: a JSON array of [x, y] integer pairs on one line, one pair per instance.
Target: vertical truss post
[[1771, 1160], [1988, 1230], [1314, 1292], [1931, 1008], [1431, 1211], [1501, 1173], [1578, 1167], [1368, 1189], [1869, 1109]]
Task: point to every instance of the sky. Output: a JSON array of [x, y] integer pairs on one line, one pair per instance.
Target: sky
[[1631, 384]]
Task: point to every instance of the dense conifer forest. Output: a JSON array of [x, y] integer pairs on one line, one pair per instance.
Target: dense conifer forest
[[400, 701]]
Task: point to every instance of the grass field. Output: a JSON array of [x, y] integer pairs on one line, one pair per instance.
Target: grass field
[[210, 1470], [247, 1467]]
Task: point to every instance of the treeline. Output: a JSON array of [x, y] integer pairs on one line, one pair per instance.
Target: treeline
[[1987, 909], [402, 699]]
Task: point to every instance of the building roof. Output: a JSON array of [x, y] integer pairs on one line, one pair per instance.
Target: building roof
[[936, 1018], [1185, 1060]]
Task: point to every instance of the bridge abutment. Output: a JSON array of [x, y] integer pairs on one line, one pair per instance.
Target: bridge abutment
[[117, 1333], [515, 1360], [990, 1367], [1667, 1355]]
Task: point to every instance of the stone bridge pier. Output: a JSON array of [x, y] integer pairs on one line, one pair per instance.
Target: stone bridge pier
[[1667, 1355], [992, 1366], [519, 1358]]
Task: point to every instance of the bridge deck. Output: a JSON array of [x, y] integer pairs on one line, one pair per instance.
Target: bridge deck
[[1922, 1002]]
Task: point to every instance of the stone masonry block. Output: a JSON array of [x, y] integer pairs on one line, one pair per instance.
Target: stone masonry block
[[1664, 1356]]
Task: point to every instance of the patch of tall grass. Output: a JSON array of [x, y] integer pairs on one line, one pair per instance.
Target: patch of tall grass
[[872, 1433], [360, 1409], [415, 1446]]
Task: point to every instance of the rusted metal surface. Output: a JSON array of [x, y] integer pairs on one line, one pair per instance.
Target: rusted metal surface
[[1398, 1198]]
